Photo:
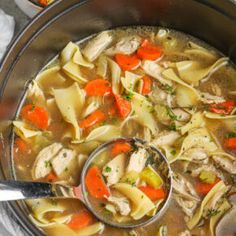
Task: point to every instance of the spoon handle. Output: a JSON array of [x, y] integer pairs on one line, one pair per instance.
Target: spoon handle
[[11, 190]]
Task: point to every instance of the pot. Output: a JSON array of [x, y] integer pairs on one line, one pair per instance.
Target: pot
[[213, 21]]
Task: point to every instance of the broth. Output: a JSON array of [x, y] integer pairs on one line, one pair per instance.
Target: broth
[[156, 84]]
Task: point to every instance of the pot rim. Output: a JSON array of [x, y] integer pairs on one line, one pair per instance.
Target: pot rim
[[26, 224]]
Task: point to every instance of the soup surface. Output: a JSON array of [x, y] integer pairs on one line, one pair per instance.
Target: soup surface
[[159, 85]]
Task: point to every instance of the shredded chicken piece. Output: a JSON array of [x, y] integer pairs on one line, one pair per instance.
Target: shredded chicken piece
[[126, 45], [181, 114], [114, 169], [42, 165], [209, 98], [138, 160], [184, 188], [188, 206], [121, 204], [166, 138], [197, 155], [226, 164], [209, 167]]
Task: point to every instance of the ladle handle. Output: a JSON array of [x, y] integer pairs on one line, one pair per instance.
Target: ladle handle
[[11, 190]]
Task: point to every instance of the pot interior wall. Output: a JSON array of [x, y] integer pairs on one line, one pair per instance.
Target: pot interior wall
[[211, 21]]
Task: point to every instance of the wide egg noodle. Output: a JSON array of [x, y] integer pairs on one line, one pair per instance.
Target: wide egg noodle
[[23, 130], [51, 78], [141, 106], [115, 76], [219, 187], [192, 71], [62, 229], [70, 102], [141, 203], [103, 133]]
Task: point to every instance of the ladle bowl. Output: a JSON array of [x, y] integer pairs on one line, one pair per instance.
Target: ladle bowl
[[11, 190]]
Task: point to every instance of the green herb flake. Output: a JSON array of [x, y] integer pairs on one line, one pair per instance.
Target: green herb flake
[[168, 89], [170, 113], [212, 212], [108, 169], [128, 96]]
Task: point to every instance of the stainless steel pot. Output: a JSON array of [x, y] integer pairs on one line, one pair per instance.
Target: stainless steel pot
[[213, 21]]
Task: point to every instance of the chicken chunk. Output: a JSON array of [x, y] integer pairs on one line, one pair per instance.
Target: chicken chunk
[[42, 165], [226, 164], [95, 47], [166, 138], [138, 160], [64, 163], [184, 188], [114, 169], [208, 98], [121, 204], [126, 45], [188, 206], [181, 114]]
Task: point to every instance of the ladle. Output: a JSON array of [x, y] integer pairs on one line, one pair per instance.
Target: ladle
[[11, 190]]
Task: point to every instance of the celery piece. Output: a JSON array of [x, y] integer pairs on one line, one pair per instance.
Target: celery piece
[[207, 177], [151, 177]]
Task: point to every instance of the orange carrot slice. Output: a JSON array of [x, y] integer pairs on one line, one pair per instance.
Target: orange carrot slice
[[95, 184], [152, 193], [148, 51], [98, 87], [51, 177], [147, 85], [93, 119], [120, 148], [80, 220], [36, 115], [204, 188], [127, 62], [230, 143], [124, 106], [223, 108]]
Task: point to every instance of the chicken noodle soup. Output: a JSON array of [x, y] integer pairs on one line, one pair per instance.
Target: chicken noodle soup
[[125, 174], [162, 86]]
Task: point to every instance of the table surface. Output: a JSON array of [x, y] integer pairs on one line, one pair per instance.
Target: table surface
[[11, 8]]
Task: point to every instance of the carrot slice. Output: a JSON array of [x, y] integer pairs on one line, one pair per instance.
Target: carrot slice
[[98, 87], [152, 193], [230, 143], [148, 51], [127, 62], [147, 85], [124, 106], [80, 220], [204, 188], [95, 184], [20, 146], [43, 2], [94, 118], [51, 177], [36, 115], [223, 108], [120, 148]]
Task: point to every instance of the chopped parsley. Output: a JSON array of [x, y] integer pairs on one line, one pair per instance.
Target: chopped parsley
[[170, 113], [173, 152], [212, 212], [231, 135], [168, 89], [47, 164], [128, 96], [108, 169]]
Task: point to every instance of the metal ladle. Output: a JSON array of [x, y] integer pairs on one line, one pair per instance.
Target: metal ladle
[[11, 190]]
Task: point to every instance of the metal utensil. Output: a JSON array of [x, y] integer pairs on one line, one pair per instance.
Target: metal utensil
[[11, 190]]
